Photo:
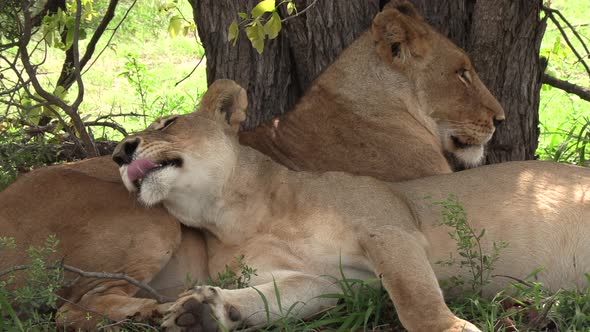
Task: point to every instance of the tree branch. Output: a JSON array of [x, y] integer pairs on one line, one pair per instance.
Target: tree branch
[[115, 29], [67, 78], [99, 275], [299, 13], [89, 146], [107, 124], [120, 276], [549, 12], [566, 86]]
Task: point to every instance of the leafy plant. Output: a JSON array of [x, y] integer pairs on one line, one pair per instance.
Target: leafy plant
[[20, 152], [261, 23], [469, 247], [230, 279], [31, 305]]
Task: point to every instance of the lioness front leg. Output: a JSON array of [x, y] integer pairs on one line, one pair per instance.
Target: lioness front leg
[[204, 308], [399, 259]]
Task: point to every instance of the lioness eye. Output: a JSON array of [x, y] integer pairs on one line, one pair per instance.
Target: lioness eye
[[464, 75], [395, 49], [168, 122]]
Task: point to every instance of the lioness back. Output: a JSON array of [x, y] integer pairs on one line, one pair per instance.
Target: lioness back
[[540, 209]]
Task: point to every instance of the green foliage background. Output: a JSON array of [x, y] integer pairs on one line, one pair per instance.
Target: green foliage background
[[564, 117]]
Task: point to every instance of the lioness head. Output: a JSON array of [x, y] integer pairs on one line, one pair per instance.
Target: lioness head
[[445, 82], [191, 153]]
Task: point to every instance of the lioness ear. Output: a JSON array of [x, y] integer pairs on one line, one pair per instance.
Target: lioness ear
[[226, 102], [403, 6], [400, 34]]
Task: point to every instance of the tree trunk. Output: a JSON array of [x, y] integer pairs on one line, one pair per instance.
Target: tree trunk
[[502, 37], [276, 78]]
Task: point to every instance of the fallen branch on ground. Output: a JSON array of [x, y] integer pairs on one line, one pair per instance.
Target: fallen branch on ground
[[100, 275]]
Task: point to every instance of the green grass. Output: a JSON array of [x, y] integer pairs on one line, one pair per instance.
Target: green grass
[[563, 116]]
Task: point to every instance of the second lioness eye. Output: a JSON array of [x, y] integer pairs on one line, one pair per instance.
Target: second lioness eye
[[168, 122], [464, 75]]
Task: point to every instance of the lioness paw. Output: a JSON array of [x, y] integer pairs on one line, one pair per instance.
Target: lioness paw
[[203, 310], [462, 326]]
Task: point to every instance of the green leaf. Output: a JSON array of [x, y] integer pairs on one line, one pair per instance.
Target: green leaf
[[175, 25], [232, 33], [256, 34], [262, 7], [273, 26], [291, 8], [243, 15]]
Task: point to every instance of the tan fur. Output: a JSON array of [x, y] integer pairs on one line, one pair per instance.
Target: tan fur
[[100, 228], [389, 116], [296, 228]]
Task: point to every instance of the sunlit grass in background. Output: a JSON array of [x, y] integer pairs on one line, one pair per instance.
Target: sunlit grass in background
[[143, 44], [564, 117]]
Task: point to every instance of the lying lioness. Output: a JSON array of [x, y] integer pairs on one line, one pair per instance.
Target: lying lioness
[[100, 228], [296, 228]]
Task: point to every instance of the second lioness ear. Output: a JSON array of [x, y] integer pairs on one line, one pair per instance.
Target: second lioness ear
[[400, 35], [226, 102], [403, 6]]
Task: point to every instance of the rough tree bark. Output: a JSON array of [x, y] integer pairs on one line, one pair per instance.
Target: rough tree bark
[[307, 44], [502, 37]]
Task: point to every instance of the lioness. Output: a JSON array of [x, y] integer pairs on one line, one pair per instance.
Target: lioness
[[388, 107], [298, 227], [100, 228]]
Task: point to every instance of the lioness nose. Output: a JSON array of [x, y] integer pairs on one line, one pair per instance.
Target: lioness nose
[[498, 121], [123, 153]]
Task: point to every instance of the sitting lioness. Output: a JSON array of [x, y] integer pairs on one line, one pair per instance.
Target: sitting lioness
[[296, 228], [394, 102]]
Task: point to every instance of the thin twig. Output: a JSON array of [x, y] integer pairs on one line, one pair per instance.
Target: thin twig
[[299, 13], [574, 31], [111, 37], [89, 147], [77, 69], [526, 283], [101, 275], [192, 71], [106, 124], [13, 269], [549, 12], [108, 116], [120, 276], [67, 80]]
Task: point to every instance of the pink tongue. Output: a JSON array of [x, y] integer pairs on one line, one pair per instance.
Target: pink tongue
[[138, 168]]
